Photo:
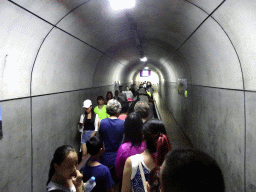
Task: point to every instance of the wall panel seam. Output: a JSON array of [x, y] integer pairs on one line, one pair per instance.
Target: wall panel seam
[[209, 15], [242, 74], [55, 26], [6, 100]]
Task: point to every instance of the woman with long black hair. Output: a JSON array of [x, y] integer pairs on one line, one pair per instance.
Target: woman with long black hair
[[133, 142], [137, 167], [109, 96]]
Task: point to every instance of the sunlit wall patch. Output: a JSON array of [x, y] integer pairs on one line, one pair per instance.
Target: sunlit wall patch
[[122, 4]]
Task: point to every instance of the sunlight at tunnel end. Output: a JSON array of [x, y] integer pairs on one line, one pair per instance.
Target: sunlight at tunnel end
[[153, 78]]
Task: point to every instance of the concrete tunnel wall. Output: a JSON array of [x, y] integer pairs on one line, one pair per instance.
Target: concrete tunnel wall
[[55, 54]]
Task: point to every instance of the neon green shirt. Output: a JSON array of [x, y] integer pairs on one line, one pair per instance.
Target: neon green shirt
[[103, 112]]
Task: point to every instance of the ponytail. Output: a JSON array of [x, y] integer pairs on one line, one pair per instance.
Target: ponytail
[[163, 146], [158, 145], [157, 142], [154, 179], [51, 172]]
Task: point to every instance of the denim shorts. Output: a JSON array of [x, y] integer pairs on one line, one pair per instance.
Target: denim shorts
[[86, 135]]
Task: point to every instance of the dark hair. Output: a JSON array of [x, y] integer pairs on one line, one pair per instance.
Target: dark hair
[[58, 158], [157, 142], [93, 115], [191, 170], [125, 107], [93, 145], [154, 179], [116, 92], [100, 98], [156, 123], [110, 94], [133, 129]]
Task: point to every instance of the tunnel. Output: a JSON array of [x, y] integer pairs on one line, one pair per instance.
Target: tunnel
[[55, 54]]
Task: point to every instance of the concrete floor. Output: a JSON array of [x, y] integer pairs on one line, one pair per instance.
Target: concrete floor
[[177, 137]]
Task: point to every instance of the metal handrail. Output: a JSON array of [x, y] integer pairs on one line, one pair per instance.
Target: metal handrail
[[157, 111]]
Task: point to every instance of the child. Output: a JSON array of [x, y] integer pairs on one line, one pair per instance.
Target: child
[[63, 175], [94, 168]]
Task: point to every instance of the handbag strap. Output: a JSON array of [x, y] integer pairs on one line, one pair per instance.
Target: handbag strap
[[142, 177]]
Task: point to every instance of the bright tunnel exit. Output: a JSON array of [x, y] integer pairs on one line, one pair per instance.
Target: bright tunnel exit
[[147, 75]]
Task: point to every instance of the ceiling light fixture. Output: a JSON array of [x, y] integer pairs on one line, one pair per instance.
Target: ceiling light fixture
[[122, 4], [143, 59]]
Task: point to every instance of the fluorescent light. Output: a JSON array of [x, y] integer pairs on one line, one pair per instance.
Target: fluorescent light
[[144, 59], [146, 67], [122, 4]]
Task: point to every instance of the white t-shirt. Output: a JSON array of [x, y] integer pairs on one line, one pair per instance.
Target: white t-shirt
[[54, 186]]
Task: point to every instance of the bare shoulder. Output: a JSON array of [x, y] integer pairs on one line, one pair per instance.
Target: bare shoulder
[[126, 184], [149, 161], [128, 165], [128, 161]]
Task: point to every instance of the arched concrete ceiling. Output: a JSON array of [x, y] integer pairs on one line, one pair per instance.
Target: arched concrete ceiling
[[55, 46]]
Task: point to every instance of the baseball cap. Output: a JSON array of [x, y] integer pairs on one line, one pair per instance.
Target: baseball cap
[[87, 103]]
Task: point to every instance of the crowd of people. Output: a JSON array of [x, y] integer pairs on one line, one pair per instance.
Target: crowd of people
[[128, 150]]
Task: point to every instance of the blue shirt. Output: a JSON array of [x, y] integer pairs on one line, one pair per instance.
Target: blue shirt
[[111, 131], [102, 177]]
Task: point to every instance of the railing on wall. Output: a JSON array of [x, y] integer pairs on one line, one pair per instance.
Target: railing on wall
[[156, 111]]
